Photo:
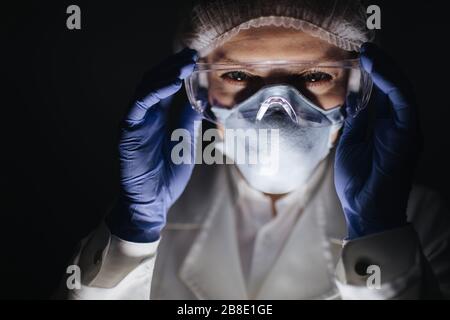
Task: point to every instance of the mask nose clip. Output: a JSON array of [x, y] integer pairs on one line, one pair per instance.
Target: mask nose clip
[[276, 103]]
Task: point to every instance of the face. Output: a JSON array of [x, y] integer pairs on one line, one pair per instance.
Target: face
[[324, 86]]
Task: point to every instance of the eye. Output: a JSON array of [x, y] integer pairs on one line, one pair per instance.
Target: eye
[[236, 76], [316, 77]]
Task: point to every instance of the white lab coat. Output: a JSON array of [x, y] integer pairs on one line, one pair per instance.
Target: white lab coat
[[197, 255]]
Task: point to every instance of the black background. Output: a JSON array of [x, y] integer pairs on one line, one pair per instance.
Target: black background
[[65, 92]]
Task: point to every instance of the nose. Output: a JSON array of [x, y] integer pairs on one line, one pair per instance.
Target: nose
[[276, 106]]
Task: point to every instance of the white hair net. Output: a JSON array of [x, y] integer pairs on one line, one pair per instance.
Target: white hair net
[[211, 23]]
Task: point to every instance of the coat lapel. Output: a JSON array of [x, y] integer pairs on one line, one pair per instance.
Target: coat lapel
[[212, 268], [305, 267]]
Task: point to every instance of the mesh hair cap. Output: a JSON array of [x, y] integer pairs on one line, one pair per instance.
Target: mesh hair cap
[[211, 23]]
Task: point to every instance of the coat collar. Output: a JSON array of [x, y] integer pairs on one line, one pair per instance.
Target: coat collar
[[321, 224], [202, 270], [312, 250]]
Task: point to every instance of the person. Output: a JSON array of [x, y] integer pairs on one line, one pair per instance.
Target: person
[[339, 219]]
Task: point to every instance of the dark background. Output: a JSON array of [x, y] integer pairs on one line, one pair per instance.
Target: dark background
[[65, 92]]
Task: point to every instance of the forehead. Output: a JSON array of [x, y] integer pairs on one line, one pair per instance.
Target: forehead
[[275, 43]]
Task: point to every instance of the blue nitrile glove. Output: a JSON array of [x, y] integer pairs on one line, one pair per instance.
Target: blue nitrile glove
[[150, 181], [374, 171]]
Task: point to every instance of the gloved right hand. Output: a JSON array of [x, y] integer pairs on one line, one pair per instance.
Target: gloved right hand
[[374, 170], [150, 181]]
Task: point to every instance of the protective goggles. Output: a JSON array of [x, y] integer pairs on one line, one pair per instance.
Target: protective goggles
[[324, 85]]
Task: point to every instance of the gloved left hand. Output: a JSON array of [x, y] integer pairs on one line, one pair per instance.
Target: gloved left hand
[[374, 170], [150, 180]]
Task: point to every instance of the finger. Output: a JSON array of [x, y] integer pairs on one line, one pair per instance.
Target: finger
[[190, 121], [166, 71], [179, 66], [185, 54], [355, 126], [188, 116], [184, 117], [160, 85], [140, 107], [380, 100], [390, 80]]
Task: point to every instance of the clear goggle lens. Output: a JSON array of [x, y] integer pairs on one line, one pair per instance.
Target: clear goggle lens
[[326, 85]]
